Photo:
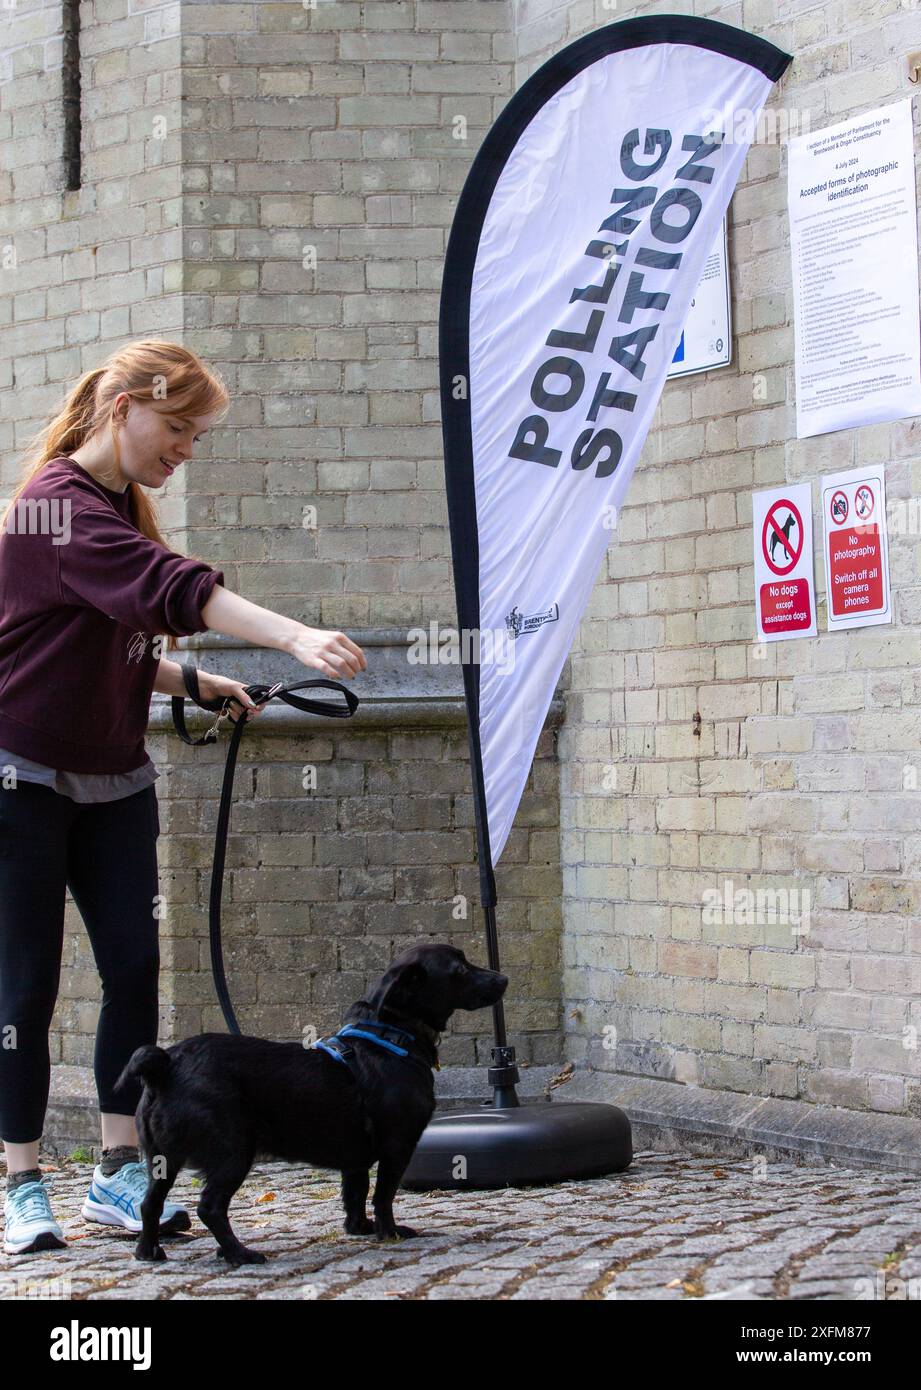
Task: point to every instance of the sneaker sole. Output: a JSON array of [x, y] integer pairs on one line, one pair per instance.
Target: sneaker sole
[[45, 1240], [112, 1216]]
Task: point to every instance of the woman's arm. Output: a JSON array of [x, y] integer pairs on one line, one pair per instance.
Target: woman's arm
[[168, 680], [331, 652]]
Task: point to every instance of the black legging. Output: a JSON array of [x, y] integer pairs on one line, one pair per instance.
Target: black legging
[[105, 853]]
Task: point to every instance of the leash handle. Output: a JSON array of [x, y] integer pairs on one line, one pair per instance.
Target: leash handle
[[263, 693], [260, 694]]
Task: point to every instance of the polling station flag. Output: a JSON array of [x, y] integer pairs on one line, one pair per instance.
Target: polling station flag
[[576, 247]]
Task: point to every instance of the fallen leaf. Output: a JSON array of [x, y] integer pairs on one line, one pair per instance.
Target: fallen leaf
[[562, 1076]]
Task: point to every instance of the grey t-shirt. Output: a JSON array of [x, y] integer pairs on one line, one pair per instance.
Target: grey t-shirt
[[80, 786]]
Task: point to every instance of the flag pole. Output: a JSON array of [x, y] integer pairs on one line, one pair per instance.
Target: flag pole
[[592, 202], [503, 1075]]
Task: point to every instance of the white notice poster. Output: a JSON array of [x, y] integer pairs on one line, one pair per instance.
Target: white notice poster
[[706, 339], [853, 239]]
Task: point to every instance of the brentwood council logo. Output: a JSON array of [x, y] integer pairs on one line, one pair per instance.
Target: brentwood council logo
[[517, 624], [76, 1343]]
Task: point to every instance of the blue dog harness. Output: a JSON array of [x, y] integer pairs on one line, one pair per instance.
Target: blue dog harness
[[387, 1036], [384, 1035]]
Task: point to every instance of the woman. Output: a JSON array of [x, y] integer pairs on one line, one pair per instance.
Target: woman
[[88, 591]]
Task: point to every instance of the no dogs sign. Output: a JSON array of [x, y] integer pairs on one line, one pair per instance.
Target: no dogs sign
[[856, 548], [784, 585]]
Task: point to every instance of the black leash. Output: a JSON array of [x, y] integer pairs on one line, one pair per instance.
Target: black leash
[[259, 694]]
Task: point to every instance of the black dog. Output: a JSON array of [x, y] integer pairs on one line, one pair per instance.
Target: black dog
[[216, 1101]]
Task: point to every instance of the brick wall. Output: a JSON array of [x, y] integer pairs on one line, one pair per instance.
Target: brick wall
[[323, 887], [323, 151], [800, 772], [273, 185], [287, 218]]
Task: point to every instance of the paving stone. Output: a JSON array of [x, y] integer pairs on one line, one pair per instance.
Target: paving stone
[[674, 1227]]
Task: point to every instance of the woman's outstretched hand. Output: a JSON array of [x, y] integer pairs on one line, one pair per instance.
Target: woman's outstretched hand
[[330, 652]]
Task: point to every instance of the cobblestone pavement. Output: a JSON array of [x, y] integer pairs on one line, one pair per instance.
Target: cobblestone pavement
[[673, 1227]]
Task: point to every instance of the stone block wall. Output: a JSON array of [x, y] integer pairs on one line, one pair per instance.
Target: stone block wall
[[349, 841], [273, 184], [695, 761]]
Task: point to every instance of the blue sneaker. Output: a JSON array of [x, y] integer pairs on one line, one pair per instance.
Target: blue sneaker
[[29, 1224], [116, 1201]]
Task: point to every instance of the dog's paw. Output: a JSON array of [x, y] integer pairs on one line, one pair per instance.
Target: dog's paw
[[398, 1233], [151, 1253], [243, 1256], [178, 1222], [361, 1227]]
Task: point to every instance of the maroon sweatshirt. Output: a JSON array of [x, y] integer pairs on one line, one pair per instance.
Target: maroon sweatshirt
[[82, 595]]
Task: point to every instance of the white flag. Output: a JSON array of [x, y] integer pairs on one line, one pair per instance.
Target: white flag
[[576, 248]]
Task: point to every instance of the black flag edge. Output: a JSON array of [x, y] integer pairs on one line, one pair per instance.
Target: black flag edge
[[454, 309]]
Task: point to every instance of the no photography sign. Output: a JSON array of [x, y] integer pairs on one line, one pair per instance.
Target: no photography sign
[[856, 548]]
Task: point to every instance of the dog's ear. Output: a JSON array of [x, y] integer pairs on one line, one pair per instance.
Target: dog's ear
[[398, 988]]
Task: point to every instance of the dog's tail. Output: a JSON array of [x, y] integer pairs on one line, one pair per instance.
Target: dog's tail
[[150, 1064]]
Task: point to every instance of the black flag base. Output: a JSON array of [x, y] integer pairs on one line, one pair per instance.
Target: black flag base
[[507, 1144]]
